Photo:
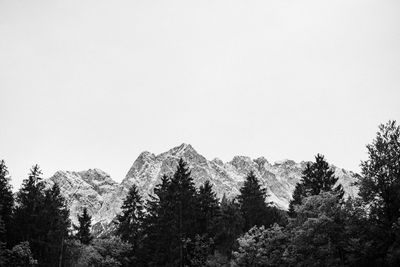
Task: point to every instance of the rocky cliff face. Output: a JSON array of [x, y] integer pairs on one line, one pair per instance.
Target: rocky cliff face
[[92, 189], [103, 197]]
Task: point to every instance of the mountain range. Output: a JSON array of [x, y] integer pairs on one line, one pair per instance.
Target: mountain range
[[103, 197]]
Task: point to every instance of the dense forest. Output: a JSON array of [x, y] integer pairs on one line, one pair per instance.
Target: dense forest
[[181, 225]]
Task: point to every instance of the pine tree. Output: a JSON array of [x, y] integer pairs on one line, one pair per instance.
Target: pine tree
[[157, 230], [85, 221], [172, 219], [208, 209], [252, 202], [41, 218], [181, 201], [6, 202], [317, 177], [230, 226], [2, 244], [298, 195], [55, 224], [27, 216], [129, 223]]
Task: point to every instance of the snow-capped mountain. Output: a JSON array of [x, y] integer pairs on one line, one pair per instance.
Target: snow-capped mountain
[[103, 197]]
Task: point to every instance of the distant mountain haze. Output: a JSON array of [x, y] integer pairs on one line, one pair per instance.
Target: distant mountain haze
[[103, 197]]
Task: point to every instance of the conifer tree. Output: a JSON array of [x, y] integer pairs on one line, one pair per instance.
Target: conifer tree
[[229, 224], [2, 244], [130, 222], [298, 194], [41, 218], [181, 201], [55, 224], [252, 202], [85, 221], [157, 230], [27, 216], [317, 177], [6, 202], [208, 209], [172, 219]]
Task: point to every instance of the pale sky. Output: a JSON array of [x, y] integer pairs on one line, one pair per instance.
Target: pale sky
[[92, 84]]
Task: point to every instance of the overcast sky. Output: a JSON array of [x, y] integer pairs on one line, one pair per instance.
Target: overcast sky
[[92, 84]]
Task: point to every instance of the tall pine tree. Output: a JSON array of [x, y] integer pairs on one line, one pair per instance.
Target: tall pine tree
[[27, 216], [317, 177], [83, 228], [157, 230], [182, 203], [41, 217], [6, 203], [252, 202], [298, 195], [208, 209], [130, 222], [55, 224], [172, 219], [230, 226]]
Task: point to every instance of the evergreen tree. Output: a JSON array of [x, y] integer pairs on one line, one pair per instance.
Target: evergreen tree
[[252, 202], [298, 194], [230, 226], [157, 242], [317, 177], [129, 223], [208, 209], [181, 201], [41, 218], [85, 221], [55, 224], [6, 202], [27, 216], [172, 220], [2, 244]]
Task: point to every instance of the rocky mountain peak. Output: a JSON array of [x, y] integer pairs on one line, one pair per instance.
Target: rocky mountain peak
[[103, 197], [180, 151]]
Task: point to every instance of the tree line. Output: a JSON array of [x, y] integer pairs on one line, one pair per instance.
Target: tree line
[[181, 225]]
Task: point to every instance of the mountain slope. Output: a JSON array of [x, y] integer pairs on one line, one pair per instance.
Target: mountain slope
[[103, 197]]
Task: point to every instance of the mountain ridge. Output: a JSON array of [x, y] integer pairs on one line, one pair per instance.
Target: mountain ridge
[[103, 196]]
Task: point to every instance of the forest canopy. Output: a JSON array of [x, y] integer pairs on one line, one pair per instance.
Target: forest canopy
[[182, 225]]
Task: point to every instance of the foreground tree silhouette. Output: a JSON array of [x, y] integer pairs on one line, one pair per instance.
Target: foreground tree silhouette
[[252, 202], [171, 221], [230, 226], [317, 177], [27, 225], [182, 202], [41, 219], [55, 221], [156, 222], [380, 180], [208, 209], [83, 228], [380, 189], [6, 202], [129, 222]]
